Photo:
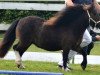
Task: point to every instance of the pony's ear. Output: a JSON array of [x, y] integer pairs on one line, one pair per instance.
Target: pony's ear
[[86, 7]]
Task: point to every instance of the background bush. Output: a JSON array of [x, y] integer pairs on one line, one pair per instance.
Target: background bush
[[7, 16]]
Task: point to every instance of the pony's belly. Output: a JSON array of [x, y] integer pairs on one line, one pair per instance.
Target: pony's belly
[[50, 47]]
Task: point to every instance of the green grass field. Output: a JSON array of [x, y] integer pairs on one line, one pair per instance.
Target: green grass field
[[49, 67]]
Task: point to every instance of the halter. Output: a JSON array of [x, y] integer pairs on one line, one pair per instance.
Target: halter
[[91, 19]]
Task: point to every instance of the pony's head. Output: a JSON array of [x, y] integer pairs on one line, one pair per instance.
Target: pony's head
[[94, 17]]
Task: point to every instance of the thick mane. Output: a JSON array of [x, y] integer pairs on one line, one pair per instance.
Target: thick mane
[[66, 16]]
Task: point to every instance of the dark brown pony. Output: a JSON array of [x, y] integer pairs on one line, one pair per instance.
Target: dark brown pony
[[64, 32]]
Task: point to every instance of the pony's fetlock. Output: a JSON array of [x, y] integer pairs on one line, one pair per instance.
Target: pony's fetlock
[[21, 66], [83, 66]]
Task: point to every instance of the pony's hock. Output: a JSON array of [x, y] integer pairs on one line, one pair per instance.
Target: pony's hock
[[62, 32]]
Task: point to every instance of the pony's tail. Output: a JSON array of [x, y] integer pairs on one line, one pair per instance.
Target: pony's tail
[[8, 39]]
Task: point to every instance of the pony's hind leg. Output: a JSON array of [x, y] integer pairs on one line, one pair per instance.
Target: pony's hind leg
[[19, 49], [18, 60]]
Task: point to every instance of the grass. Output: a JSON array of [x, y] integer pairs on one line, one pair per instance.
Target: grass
[[1, 35], [96, 49], [49, 67]]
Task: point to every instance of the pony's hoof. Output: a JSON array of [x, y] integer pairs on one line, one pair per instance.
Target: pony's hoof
[[68, 69], [21, 66], [83, 67], [60, 66]]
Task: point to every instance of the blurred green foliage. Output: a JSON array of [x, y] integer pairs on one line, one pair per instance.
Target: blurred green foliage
[[7, 16]]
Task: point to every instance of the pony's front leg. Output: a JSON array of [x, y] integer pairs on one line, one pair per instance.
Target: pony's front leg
[[18, 60], [84, 62], [65, 59]]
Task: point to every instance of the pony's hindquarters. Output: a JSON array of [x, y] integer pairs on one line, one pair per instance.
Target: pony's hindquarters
[[27, 33]]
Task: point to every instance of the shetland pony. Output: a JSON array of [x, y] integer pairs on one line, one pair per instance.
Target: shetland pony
[[64, 32]]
